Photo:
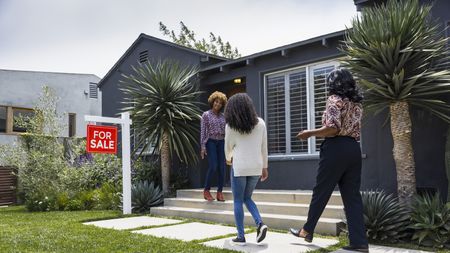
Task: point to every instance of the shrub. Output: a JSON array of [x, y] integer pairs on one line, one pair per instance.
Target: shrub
[[149, 170], [107, 197], [385, 218], [430, 220], [145, 195]]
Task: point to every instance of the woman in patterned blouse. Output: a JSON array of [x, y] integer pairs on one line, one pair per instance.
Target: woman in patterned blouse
[[212, 143], [340, 159]]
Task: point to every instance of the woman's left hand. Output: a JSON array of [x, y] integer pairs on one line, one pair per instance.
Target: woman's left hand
[[304, 135]]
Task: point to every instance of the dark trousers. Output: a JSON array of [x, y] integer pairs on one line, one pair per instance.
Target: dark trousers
[[340, 164], [216, 162]]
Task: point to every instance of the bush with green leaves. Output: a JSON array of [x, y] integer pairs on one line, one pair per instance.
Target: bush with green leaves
[[385, 218], [145, 195], [56, 174], [430, 220], [146, 169]]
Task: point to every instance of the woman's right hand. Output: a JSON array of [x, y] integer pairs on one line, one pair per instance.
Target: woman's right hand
[[265, 174], [203, 153]]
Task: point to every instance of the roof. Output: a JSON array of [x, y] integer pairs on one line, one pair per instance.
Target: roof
[[48, 72], [321, 38], [143, 36]]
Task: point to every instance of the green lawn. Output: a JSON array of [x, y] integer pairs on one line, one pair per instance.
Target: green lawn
[[23, 231]]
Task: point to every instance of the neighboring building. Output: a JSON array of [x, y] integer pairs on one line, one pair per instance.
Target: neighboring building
[[20, 90], [287, 85]]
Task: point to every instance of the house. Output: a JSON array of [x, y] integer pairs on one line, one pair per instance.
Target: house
[[287, 85], [20, 90]]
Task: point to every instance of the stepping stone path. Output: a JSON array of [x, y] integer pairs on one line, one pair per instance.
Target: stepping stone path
[[132, 222], [189, 231], [383, 249], [274, 242]]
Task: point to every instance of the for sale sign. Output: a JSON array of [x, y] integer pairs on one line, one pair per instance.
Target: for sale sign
[[101, 139]]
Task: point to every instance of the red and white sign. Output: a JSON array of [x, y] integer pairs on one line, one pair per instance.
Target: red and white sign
[[101, 139]]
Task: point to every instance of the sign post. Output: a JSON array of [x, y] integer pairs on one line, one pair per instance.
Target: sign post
[[101, 140]]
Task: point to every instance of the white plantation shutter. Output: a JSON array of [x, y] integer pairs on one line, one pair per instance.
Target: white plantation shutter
[[295, 101], [319, 76], [276, 117], [298, 110]]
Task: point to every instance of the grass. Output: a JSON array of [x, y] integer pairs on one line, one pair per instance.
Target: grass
[[23, 231]]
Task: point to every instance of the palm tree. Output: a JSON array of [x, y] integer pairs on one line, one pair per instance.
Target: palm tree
[[393, 50], [163, 105]]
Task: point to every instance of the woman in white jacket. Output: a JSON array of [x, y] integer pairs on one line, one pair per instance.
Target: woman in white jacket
[[246, 151]]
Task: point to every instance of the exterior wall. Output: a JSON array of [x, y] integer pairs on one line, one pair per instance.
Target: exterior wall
[[23, 89]]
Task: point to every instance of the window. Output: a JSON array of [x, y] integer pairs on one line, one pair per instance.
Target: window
[[143, 56], [72, 124], [319, 76], [3, 117], [21, 115], [295, 100], [93, 90]]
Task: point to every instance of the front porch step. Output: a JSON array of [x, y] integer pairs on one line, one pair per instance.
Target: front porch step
[[284, 196], [328, 226], [331, 211]]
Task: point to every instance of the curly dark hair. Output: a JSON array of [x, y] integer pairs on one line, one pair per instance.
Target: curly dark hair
[[240, 113], [340, 82], [217, 95]]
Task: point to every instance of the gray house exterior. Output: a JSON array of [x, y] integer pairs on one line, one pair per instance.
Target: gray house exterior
[[20, 90], [288, 90]]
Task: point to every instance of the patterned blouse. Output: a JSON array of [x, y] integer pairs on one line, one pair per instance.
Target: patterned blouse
[[212, 127], [344, 115]]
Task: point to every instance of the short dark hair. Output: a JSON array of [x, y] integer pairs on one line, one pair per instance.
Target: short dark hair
[[341, 82], [240, 113]]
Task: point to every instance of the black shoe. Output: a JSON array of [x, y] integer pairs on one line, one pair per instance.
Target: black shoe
[[261, 232], [239, 241], [296, 232], [357, 248]]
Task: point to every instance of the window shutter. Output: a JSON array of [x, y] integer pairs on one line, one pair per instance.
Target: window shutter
[[320, 96], [93, 90], [276, 117], [298, 110], [143, 56]]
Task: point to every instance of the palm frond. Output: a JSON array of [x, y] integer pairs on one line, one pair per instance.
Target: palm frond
[[163, 96], [394, 50]]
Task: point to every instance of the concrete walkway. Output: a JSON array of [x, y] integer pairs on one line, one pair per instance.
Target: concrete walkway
[[274, 242], [383, 249]]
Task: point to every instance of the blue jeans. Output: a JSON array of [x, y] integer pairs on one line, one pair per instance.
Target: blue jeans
[[216, 162], [242, 188]]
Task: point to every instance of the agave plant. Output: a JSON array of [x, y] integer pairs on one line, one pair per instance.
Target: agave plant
[[385, 218], [392, 49], [431, 221], [163, 102], [145, 195]]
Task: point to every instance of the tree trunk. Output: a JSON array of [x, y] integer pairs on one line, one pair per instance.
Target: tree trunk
[[403, 151], [165, 163]]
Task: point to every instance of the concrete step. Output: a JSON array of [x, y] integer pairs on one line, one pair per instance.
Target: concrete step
[[280, 196], [326, 226], [331, 211]]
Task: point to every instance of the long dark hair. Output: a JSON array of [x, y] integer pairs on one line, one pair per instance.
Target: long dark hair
[[240, 113], [340, 82]]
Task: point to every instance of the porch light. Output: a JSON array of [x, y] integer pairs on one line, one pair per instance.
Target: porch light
[[237, 81]]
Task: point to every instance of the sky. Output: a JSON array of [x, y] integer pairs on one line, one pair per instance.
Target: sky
[[89, 36]]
